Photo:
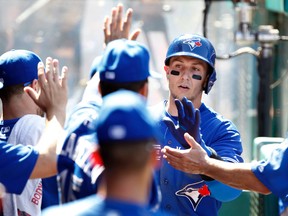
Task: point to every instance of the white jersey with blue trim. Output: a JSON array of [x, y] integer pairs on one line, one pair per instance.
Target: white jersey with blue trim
[[27, 131]]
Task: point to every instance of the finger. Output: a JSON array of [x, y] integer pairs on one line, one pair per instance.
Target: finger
[[181, 114], [64, 79], [113, 23], [134, 35], [188, 108], [192, 110], [106, 30], [127, 23], [168, 151], [174, 160], [41, 74], [32, 93], [55, 70], [170, 124], [119, 24], [49, 69], [197, 117]]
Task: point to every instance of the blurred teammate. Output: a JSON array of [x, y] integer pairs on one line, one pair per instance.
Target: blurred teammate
[[23, 122], [19, 163], [124, 65], [126, 135]]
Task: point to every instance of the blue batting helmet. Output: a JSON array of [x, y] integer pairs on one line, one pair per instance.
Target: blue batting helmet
[[195, 46]]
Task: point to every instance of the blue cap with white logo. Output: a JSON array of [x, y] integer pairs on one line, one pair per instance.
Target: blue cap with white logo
[[17, 67], [125, 61]]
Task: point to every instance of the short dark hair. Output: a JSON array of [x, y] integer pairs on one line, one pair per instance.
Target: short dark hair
[[131, 155], [7, 92], [108, 87]]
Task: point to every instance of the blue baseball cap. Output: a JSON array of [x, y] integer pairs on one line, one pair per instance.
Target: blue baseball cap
[[17, 67], [125, 61], [124, 117]]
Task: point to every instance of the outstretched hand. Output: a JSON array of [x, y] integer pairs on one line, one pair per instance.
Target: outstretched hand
[[188, 121], [196, 161], [115, 28], [188, 160], [53, 94]]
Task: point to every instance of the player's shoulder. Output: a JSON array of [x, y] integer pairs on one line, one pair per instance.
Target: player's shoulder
[[31, 119]]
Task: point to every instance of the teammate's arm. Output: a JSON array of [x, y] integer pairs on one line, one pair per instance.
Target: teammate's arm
[[52, 98], [196, 161]]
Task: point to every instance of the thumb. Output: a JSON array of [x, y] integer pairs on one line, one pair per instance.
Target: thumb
[[31, 92], [134, 35], [191, 141], [170, 124]]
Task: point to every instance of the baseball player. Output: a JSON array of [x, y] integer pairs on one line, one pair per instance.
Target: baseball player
[[124, 65], [128, 63], [19, 163], [126, 134], [263, 176], [23, 122], [190, 70]]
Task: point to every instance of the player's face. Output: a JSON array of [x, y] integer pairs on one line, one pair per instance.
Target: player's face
[[186, 77]]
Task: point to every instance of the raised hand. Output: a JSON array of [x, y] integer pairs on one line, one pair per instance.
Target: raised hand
[[115, 28], [53, 94], [188, 121]]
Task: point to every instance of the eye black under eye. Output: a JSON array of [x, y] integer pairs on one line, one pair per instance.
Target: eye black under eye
[[197, 77], [175, 73]]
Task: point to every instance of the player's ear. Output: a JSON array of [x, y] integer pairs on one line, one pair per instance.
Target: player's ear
[[144, 90], [166, 69]]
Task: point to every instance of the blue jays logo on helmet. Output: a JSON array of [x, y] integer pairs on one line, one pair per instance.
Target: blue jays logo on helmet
[[195, 46], [193, 43]]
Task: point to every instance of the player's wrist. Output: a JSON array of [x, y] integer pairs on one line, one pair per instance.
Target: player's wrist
[[208, 164]]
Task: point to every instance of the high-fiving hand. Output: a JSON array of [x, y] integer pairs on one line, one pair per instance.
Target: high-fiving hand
[[188, 121], [53, 94], [115, 28]]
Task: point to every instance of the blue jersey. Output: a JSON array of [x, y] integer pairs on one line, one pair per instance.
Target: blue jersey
[[6, 127], [96, 206], [273, 172], [79, 145], [81, 171], [182, 193], [19, 159]]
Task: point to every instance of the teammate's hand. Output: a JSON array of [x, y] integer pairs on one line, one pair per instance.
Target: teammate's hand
[[115, 28], [53, 94]]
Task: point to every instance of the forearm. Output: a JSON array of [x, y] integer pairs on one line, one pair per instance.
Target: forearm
[[46, 164], [238, 175]]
